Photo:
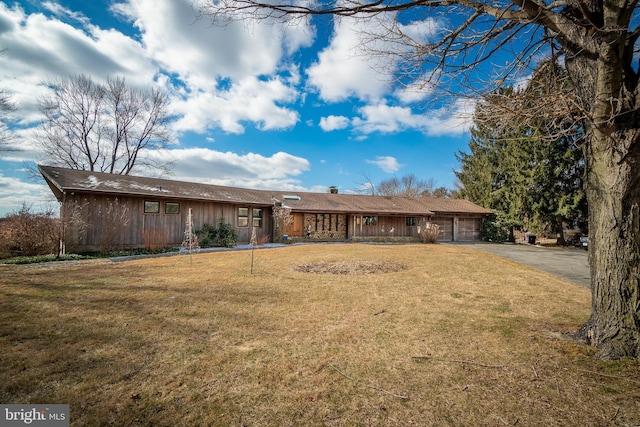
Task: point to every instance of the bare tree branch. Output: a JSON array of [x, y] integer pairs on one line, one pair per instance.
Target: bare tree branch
[[6, 108], [105, 128]]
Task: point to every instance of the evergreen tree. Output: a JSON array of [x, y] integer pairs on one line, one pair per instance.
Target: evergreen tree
[[530, 173]]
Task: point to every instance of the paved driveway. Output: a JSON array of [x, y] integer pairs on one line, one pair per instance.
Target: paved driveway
[[568, 263]]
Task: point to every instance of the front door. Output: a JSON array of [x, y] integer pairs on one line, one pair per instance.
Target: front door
[[296, 229]]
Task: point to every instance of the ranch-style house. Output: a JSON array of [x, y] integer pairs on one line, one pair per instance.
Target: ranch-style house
[[101, 210]]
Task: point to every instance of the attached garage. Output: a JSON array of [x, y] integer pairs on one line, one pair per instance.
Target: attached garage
[[458, 228], [469, 229], [446, 228], [459, 220]]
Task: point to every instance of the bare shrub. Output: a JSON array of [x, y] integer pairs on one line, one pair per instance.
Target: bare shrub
[[27, 233], [430, 233]]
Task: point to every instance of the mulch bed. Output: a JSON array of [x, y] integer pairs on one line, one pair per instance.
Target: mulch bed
[[350, 267]]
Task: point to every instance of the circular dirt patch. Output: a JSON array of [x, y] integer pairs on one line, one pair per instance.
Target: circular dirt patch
[[350, 267]]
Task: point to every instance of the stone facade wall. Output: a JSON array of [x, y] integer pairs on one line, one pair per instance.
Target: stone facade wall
[[325, 226]]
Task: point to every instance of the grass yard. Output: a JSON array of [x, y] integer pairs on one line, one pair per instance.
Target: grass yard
[[330, 335]]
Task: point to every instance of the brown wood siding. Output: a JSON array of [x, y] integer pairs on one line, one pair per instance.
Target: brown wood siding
[[121, 223], [469, 229], [446, 228]]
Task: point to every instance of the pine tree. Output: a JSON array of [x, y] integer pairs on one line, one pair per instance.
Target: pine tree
[[530, 175]]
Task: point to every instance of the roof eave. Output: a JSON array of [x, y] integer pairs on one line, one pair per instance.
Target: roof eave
[[172, 196], [359, 212], [55, 187]]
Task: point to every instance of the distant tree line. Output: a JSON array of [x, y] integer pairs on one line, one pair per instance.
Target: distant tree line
[[409, 185]]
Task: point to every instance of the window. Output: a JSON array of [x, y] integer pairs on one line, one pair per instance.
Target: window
[[410, 221], [243, 217], [257, 217], [370, 220], [151, 207], [171, 208]]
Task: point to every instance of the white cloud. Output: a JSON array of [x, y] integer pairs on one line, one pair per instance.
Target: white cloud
[[249, 170], [232, 74], [332, 122], [344, 69], [194, 49], [455, 119], [61, 11], [420, 31], [417, 90], [239, 72], [39, 48], [387, 164], [14, 193], [386, 119], [249, 100], [361, 53], [452, 120]]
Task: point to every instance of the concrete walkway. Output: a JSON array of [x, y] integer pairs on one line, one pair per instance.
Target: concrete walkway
[[567, 263]]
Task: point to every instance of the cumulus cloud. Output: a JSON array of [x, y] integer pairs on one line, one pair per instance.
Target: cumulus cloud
[[232, 74], [417, 90], [344, 69], [61, 11], [386, 119], [360, 53], [387, 164], [332, 122], [227, 168], [199, 52], [202, 66], [14, 193], [39, 48], [248, 100], [452, 120]]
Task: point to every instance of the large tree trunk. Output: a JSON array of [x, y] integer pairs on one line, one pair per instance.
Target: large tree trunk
[[608, 91], [613, 191]]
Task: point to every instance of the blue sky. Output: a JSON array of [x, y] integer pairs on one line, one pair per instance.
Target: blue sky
[[300, 107]]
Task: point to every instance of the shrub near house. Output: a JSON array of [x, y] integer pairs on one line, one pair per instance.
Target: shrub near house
[[26, 233], [224, 236]]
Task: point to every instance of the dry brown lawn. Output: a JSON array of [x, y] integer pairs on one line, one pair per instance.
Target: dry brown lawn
[[428, 335]]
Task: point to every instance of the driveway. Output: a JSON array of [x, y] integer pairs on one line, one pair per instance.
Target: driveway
[[567, 263]]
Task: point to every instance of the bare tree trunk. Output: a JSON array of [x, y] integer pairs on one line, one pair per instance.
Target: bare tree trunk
[[607, 90], [613, 191]]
